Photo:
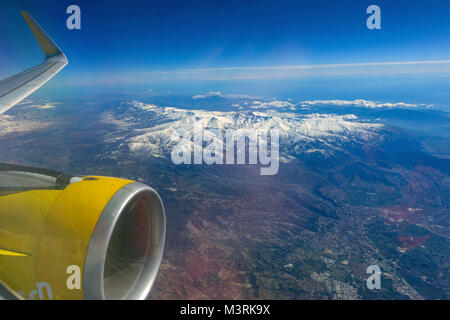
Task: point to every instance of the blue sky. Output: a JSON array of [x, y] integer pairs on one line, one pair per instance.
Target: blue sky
[[228, 45]]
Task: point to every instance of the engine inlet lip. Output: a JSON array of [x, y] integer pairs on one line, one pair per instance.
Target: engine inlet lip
[[93, 279]]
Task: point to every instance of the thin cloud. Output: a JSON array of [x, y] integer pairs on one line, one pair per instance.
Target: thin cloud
[[10, 124], [220, 94], [363, 103], [313, 66], [267, 72]]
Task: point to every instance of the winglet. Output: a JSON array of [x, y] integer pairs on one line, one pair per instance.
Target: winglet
[[48, 46]]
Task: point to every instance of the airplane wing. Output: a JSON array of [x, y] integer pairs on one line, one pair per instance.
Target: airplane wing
[[16, 88]]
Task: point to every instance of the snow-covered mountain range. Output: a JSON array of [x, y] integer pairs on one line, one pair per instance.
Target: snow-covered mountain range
[[147, 129]]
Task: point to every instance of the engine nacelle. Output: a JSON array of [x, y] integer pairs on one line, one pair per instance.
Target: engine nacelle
[[108, 232]]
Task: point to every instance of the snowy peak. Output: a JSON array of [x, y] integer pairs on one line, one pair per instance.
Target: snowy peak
[[148, 129]]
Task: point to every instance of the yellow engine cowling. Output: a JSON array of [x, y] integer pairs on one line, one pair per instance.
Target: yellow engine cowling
[[96, 238]]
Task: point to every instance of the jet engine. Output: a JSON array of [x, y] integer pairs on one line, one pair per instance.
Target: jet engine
[[65, 237]]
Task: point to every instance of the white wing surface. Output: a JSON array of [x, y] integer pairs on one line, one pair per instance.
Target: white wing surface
[[16, 88]]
